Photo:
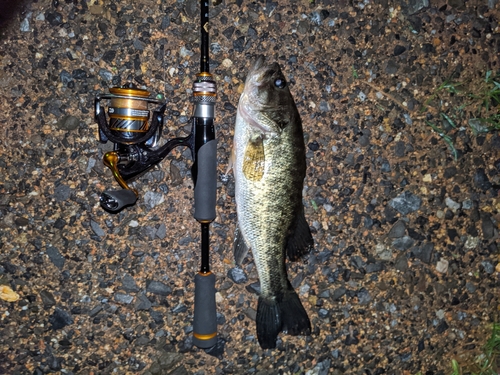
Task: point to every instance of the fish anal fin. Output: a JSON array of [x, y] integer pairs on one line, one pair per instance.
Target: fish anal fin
[[299, 241], [240, 248]]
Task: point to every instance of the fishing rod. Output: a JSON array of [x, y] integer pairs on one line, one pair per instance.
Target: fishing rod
[[135, 133], [204, 176]]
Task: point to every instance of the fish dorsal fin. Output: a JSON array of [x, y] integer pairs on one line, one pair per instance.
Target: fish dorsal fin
[[299, 241], [240, 248]]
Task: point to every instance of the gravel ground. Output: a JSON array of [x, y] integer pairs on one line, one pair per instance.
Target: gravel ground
[[405, 270]]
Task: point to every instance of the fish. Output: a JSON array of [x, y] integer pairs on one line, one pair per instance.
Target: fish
[[269, 167]]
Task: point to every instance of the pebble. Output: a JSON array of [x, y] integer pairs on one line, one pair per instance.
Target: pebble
[[481, 180], [451, 204], [142, 303], [97, 229], [442, 266], [488, 267], [55, 256], [237, 275], [153, 199], [129, 284], [60, 319], [48, 299], [402, 244], [159, 288], [383, 252], [398, 229], [472, 242], [406, 203], [424, 252], [487, 226], [62, 193], [398, 50], [123, 298]]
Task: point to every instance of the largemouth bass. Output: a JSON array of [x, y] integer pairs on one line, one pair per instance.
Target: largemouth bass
[[269, 168]]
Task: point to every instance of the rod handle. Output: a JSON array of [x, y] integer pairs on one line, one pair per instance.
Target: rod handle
[[205, 316], [205, 190]]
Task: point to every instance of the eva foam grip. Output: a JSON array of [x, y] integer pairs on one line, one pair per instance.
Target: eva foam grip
[[206, 182], [205, 315]]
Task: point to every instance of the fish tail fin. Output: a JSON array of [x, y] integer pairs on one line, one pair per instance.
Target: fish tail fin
[[284, 313], [294, 316]]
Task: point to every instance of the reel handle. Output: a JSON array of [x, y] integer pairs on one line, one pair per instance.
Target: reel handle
[[115, 200]]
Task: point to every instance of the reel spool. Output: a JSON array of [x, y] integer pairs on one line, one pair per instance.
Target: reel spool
[[128, 119]]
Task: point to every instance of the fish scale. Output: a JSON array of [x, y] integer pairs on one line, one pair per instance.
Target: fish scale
[[269, 168]]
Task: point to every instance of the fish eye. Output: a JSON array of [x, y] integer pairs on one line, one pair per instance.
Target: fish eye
[[280, 83]]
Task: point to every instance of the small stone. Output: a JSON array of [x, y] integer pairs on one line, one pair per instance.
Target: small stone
[[139, 45], [161, 232], [404, 243], [338, 293], [237, 275], [449, 172], [452, 205], [442, 266], [424, 252], [401, 263], [406, 203], [400, 149], [97, 229], [123, 298], [398, 50], [152, 199], [427, 178], [129, 284], [351, 340], [157, 287], [62, 193], [487, 226], [54, 18], [398, 229], [48, 299], [180, 308], [60, 319], [55, 256], [142, 303], [481, 180], [105, 74], [488, 267], [383, 252], [443, 326], [364, 296], [471, 242], [68, 123], [391, 67]]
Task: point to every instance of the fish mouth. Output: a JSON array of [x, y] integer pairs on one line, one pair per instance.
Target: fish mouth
[[259, 71]]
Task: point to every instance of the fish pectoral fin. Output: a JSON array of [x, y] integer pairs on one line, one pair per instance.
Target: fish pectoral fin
[[254, 159], [299, 241], [240, 247]]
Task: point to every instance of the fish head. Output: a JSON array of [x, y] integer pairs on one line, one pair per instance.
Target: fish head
[[266, 102]]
